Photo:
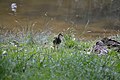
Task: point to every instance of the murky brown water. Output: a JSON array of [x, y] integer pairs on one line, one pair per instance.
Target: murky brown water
[[54, 15]]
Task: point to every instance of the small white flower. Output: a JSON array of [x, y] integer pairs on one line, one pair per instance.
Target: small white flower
[[15, 45], [73, 39], [4, 53], [25, 50], [88, 53]]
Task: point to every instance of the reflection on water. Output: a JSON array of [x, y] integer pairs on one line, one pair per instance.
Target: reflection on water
[[55, 15]]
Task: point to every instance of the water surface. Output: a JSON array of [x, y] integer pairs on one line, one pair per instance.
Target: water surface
[[56, 16]]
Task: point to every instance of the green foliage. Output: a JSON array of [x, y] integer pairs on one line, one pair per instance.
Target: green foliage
[[70, 62], [69, 41]]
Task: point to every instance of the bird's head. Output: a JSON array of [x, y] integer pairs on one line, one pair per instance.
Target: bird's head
[[105, 40], [100, 43], [60, 35]]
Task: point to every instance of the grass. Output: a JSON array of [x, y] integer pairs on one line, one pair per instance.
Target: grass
[[31, 60]]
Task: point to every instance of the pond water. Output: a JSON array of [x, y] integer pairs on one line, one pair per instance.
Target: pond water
[[56, 16]]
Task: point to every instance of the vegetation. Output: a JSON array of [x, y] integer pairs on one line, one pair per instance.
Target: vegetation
[[28, 56], [31, 59]]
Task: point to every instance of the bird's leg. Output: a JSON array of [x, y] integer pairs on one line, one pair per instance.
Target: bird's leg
[[57, 46], [54, 47]]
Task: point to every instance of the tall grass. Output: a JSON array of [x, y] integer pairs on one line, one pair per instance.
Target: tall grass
[[31, 60]]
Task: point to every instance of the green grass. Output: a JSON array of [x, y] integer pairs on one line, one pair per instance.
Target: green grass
[[32, 61]]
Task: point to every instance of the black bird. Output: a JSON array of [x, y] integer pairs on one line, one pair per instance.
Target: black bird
[[111, 43], [57, 40]]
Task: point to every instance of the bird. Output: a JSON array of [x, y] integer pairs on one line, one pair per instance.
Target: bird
[[111, 43], [13, 8], [99, 48], [57, 40]]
